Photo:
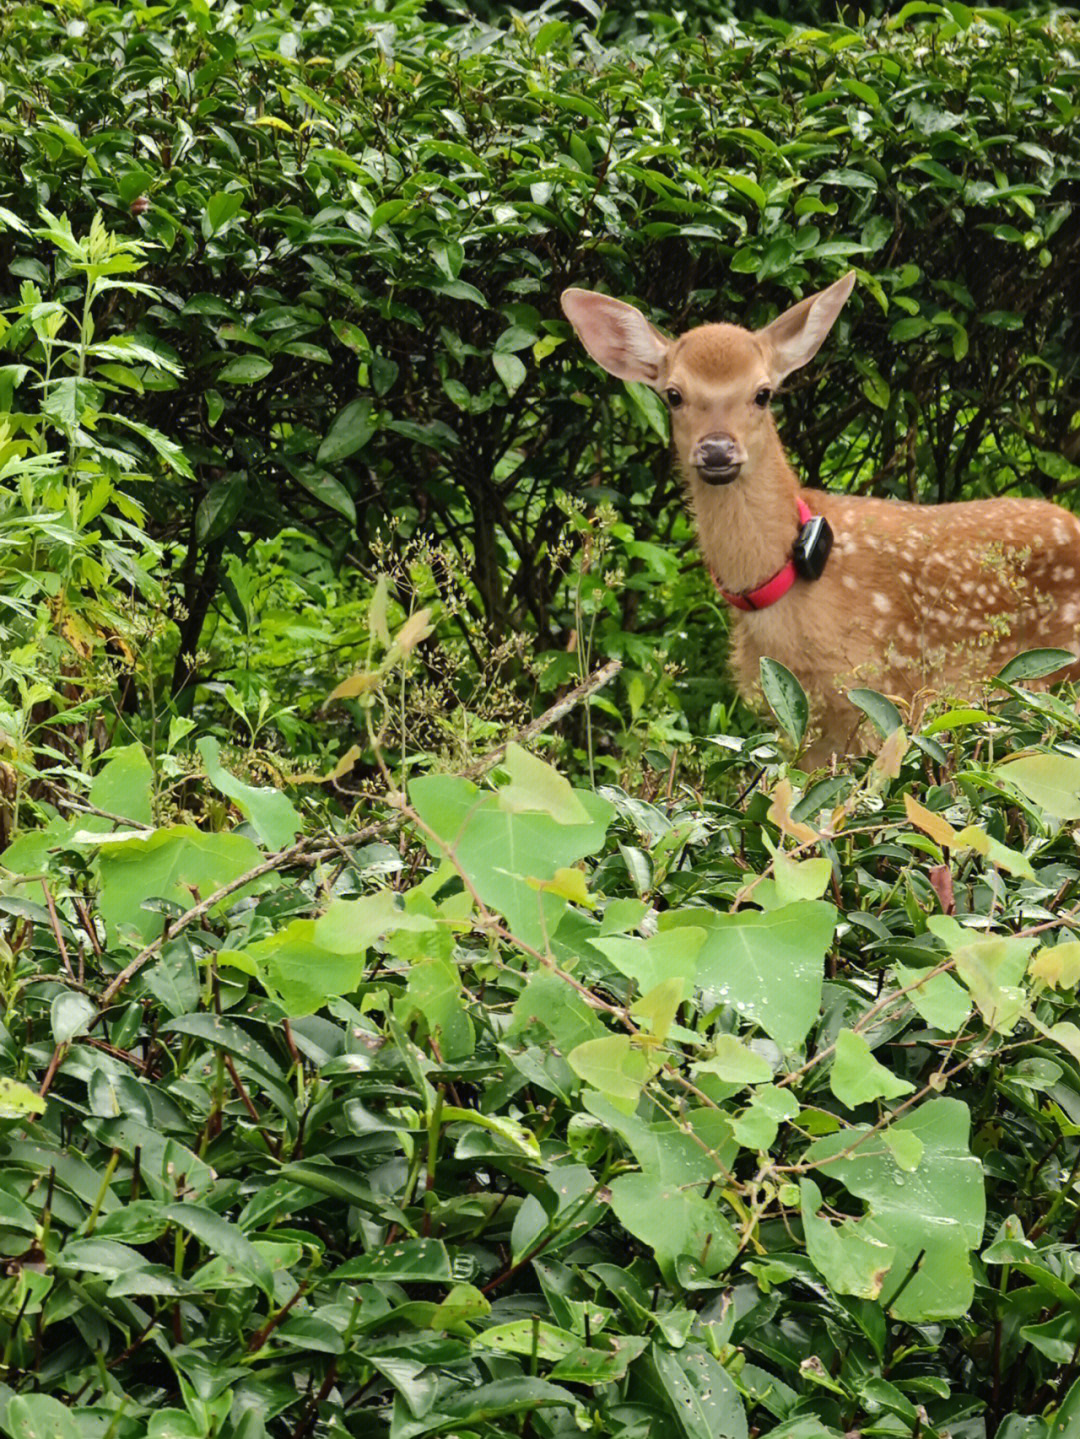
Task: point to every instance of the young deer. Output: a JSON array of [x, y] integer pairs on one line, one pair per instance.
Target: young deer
[[913, 600]]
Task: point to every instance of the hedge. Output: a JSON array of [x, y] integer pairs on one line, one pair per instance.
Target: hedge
[[364, 219]]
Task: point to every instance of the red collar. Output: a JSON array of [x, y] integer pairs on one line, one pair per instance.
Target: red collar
[[774, 589]]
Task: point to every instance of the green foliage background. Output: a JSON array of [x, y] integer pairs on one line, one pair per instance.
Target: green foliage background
[[358, 1075], [364, 220]]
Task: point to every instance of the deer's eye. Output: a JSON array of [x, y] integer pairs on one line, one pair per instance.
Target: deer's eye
[[762, 398], [674, 397]]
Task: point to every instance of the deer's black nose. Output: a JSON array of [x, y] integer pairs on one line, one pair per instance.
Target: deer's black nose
[[718, 458]]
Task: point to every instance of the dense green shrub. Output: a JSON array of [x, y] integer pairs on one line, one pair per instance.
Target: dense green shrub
[[517, 1108], [365, 218], [621, 1119]]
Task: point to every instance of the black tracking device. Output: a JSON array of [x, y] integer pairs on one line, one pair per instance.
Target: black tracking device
[[812, 548]]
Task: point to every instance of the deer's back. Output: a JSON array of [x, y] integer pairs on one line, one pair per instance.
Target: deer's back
[[923, 598]]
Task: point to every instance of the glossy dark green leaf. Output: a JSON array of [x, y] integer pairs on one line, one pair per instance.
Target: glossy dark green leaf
[[786, 698]]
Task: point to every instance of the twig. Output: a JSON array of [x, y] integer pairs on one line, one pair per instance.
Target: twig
[[260, 1336], [596, 681], [82, 806], [273, 1147], [54, 920], [281, 860]]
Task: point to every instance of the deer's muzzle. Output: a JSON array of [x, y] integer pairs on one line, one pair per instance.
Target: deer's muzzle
[[718, 459]]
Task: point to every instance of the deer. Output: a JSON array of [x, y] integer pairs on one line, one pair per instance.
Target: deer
[[913, 600]]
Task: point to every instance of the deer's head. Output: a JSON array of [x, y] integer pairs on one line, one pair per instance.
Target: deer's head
[[717, 380]]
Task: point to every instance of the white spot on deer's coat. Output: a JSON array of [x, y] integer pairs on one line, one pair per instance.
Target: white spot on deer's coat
[[882, 604]]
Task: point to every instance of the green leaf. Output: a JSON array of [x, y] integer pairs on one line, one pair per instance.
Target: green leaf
[[1051, 781], [942, 1002], [768, 967], [269, 811], [223, 1239], [882, 713], [311, 960], [224, 1033], [510, 370], [326, 489], [68, 401], [1035, 665], [39, 1416], [536, 787], [526, 1336], [244, 370], [170, 452], [350, 431], [734, 1062], [701, 1396], [662, 956], [508, 855], [613, 1066], [937, 1213], [757, 1126], [856, 1077], [71, 1015], [221, 207], [173, 864], [407, 1261], [800, 879], [786, 698], [219, 508], [674, 1223], [852, 1259], [434, 996], [123, 786]]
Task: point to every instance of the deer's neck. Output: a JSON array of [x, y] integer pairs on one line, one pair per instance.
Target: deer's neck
[[746, 530]]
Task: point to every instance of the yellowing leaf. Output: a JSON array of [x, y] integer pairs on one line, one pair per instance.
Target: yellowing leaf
[[18, 1101], [1052, 781], [1067, 1035], [780, 814], [992, 969], [939, 829], [272, 122], [891, 755], [415, 629], [536, 786], [81, 636], [972, 837], [343, 766], [1059, 965], [659, 1007], [359, 684], [462, 1304], [568, 884]]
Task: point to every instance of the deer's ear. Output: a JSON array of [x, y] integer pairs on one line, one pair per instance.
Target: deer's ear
[[617, 336], [796, 336]]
